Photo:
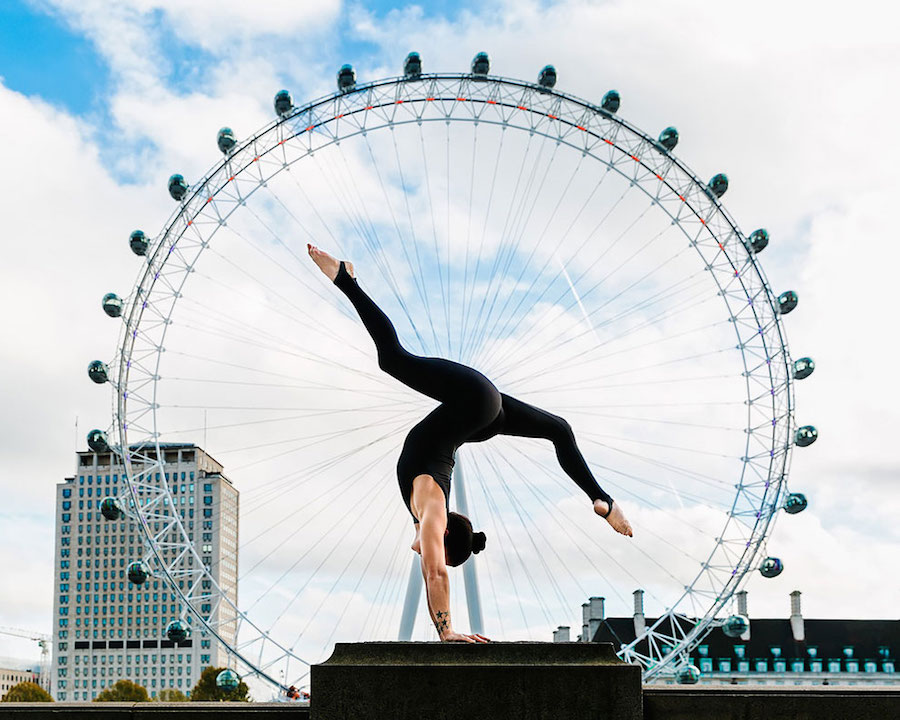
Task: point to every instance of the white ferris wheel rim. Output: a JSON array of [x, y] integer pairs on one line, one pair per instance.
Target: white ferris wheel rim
[[526, 107]]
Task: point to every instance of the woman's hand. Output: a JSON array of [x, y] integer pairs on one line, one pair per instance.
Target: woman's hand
[[460, 637]]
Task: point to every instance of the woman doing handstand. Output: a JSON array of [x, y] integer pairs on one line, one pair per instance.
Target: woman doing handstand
[[471, 410]]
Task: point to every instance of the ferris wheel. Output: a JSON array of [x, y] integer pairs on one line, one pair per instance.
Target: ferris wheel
[[538, 237]]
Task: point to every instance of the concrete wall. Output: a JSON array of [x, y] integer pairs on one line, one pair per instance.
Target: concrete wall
[[660, 703]]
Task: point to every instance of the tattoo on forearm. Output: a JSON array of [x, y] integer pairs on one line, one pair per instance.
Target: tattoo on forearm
[[441, 621]]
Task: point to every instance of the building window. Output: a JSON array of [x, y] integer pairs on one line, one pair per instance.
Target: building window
[[67, 492], [762, 666], [834, 666], [797, 666]]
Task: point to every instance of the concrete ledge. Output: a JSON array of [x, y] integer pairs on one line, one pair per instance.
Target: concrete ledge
[[796, 702], [443, 681]]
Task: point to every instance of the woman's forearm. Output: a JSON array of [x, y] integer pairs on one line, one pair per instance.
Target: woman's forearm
[[437, 594]]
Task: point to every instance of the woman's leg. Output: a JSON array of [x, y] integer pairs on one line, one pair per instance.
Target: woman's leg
[[443, 380], [524, 420]]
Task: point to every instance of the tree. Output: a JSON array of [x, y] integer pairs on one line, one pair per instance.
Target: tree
[[171, 695], [27, 692], [124, 691], [206, 688]]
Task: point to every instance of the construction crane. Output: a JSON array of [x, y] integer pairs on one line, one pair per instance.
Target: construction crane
[[44, 643]]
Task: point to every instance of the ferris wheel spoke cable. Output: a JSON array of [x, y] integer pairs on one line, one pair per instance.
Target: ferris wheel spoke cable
[[267, 286], [484, 225], [680, 448], [601, 283], [562, 563], [273, 309], [391, 521], [581, 356], [544, 233], [352, 480], [330, 435], [415, 242], [498, 254], [415, 273], [526, 568], [577, 298], [536, 491], [358, 510], [493, 513], [709, 480], [664, 295], [506, 249], [515, 504], [372, 239], [586, 240], [362, 510], [517, 237], [434, 237], [381, 592]]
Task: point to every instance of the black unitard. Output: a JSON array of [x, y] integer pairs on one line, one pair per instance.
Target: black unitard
[[471, 409]]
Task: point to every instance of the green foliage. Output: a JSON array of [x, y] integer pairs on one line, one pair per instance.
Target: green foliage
[[124, 691], [27, 692], [171, 695], [207, 690]]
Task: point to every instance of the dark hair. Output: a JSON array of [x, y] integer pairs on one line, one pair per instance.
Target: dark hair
[[460, 542]]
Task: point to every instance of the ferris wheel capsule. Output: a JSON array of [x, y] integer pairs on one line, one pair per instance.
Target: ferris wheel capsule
[[97, 441], [98, 371], [284, 103], [225, 140], [481, 64], [787, 301], [228, 679], [795, 503], [718, 184], [736, 625], [177, 187], [346, 78], [112, 305], [803, 368], [137, 572], [611, 101], [759, 239], [806, 436], [687, 675], [547, 76], [412, 66], [771, 567], [178, 631], [668, 138], [139, 242], [110, 509]]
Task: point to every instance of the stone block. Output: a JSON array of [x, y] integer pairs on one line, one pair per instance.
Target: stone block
[[457, 681]]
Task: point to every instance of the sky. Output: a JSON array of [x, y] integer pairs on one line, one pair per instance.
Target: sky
[[794, 100]]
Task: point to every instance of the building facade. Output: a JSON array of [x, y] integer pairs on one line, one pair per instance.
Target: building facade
[[11, 676], [107, 628], [774, 651]]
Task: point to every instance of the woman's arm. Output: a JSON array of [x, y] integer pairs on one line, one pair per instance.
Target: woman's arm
[[428, 501]]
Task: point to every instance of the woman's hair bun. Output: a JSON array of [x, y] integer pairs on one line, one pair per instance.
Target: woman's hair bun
[[479, 540]]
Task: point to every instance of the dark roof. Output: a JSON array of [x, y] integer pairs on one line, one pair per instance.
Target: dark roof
[[829, 637]]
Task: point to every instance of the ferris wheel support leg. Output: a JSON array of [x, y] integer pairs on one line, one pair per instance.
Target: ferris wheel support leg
[[411, 603], [470, 577]]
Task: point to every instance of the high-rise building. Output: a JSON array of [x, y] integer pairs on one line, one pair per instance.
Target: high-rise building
[[105, 627]]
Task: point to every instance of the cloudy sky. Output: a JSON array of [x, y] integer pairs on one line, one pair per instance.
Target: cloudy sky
[[100, 102]]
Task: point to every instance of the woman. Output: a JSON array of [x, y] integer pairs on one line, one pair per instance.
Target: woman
[[471, 410]]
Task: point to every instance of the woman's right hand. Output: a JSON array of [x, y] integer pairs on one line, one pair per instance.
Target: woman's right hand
[[460, 637]]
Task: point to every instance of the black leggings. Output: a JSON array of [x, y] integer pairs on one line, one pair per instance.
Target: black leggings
[[471, 409]]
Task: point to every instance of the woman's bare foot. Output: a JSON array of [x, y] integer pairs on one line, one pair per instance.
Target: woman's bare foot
[[327, 264], [616, 518]]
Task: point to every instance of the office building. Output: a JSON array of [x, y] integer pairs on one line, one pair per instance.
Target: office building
[[106, 627]]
